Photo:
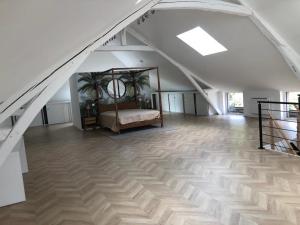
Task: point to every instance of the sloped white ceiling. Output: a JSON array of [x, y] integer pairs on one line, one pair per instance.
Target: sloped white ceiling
[[38, 35], [251, 62], [171, 78], [100, 61], [283, 16]]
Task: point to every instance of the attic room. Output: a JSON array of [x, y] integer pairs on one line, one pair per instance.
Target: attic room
[[149, 112]]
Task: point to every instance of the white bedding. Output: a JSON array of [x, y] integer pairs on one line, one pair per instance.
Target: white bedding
[[127, 116]]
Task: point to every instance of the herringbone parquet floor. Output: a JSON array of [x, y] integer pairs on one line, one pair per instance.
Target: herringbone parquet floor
[[197, 171]]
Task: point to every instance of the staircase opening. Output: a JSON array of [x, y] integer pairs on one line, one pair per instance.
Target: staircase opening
[[279, 125]]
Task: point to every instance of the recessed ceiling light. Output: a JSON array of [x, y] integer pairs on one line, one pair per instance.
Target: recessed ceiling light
[[138, 1], [201, 41]]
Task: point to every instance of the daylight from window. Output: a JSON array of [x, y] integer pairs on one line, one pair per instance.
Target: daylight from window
[[235, 102], [201, 41], [292, 97]]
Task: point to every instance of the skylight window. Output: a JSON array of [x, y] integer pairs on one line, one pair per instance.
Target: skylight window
[[201, 41]]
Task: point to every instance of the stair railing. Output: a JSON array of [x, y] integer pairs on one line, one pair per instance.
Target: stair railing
[[278, 132]]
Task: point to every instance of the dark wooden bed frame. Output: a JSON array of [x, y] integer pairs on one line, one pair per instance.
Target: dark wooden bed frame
[[131, 105]]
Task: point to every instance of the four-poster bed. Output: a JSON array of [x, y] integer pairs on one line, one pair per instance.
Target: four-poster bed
[[123, 115]]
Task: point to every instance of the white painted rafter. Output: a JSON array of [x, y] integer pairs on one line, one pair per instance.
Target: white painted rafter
[[204, 5], [189, 74]]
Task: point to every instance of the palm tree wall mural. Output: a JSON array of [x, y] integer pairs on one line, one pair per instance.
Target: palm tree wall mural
[[93, 85], [139, 81], [93, 88]]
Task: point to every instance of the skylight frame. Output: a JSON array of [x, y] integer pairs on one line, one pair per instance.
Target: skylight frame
[[201, 41]]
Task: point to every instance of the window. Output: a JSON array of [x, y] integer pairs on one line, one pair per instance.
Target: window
[[201, 41], [235, 102], [292, 97]]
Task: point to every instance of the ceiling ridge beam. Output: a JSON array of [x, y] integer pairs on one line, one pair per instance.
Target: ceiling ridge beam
[[291, 57], [189, 74], [204, 5]]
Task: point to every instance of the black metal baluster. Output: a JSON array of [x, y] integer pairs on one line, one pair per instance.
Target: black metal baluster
[[260, 127]]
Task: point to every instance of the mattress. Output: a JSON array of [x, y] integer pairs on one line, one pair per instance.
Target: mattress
[[127, 116]]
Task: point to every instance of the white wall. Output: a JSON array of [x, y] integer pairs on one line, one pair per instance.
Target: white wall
[[218, 98], [20, 148], [63, 95], [176, 102], [96, 62], [202, 105], [171, 79], [11, 181], [189, 103], [180, 102], [250, 104], [60, 100], [100, 61]]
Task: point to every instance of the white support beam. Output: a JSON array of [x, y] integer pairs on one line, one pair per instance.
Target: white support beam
[[112, 48], [204, 5], [23, 100], [183, 69]]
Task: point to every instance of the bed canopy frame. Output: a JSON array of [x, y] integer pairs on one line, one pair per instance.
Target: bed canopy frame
[[133, 71]]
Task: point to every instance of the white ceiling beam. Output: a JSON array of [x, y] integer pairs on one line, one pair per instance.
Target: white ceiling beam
[[189, 74], [288, 53], [204, 5], [112, 48]]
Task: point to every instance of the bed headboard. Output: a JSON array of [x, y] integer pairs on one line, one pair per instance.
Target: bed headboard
[[124, 105]]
